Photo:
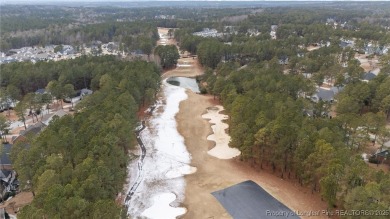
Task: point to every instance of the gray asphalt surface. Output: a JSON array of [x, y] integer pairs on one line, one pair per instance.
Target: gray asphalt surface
[[247, 200]]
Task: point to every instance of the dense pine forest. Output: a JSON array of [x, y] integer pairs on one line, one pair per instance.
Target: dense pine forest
[[77, 165], [269, 126]]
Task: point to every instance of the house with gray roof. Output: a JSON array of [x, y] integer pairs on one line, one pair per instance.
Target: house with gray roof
[[31, 130], [5, 161], [59, 113], [85, 92], [283, 60], [368, 76], [40, 91], [325, 94], [8, 183]]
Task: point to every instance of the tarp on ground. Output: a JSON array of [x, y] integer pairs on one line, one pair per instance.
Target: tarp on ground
[[248, 200]]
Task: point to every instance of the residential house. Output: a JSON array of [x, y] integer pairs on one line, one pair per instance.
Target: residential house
[[346, 43], [283, 60], [7, 103], [382, 156], [253, 32], [229, 29], [59, 113], [8, 177], [85, 92], [368, 76], [40, 91], [31, 130], [385, 50], [308, 112], [5, 161], [206, 32], [8, 183], [307, 75], [67, 50], [374, 49], [325, 94], [112, 46]]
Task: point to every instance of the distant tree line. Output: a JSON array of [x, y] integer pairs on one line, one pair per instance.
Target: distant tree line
[[130, 36]]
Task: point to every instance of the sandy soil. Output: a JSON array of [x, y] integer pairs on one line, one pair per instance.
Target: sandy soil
[[219, 136], [366, 63]]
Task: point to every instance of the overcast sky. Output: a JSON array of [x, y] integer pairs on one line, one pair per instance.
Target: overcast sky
[[56, 1], [9, 1]]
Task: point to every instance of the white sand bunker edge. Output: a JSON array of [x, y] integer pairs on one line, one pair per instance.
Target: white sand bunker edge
[[219, 136], [161, 207]]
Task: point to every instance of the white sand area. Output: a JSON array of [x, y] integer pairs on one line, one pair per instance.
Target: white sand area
[[221, 138], [161, 207]]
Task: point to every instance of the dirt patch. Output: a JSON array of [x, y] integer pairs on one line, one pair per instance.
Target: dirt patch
[[384, 167], [142, 112], [13, 205], [368, 63], [311, 48], [164, 30], [10, 115]]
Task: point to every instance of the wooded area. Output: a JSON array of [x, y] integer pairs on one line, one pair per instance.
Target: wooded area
[[77, 165], [268, 125]]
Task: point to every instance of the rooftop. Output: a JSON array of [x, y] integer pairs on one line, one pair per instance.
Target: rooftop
[[249, 200]]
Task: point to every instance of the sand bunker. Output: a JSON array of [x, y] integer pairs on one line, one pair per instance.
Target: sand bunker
[[221, 149], [180, 171], [161, 207]]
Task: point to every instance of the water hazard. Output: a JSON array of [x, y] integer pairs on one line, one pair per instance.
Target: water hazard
[[188, 83]]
